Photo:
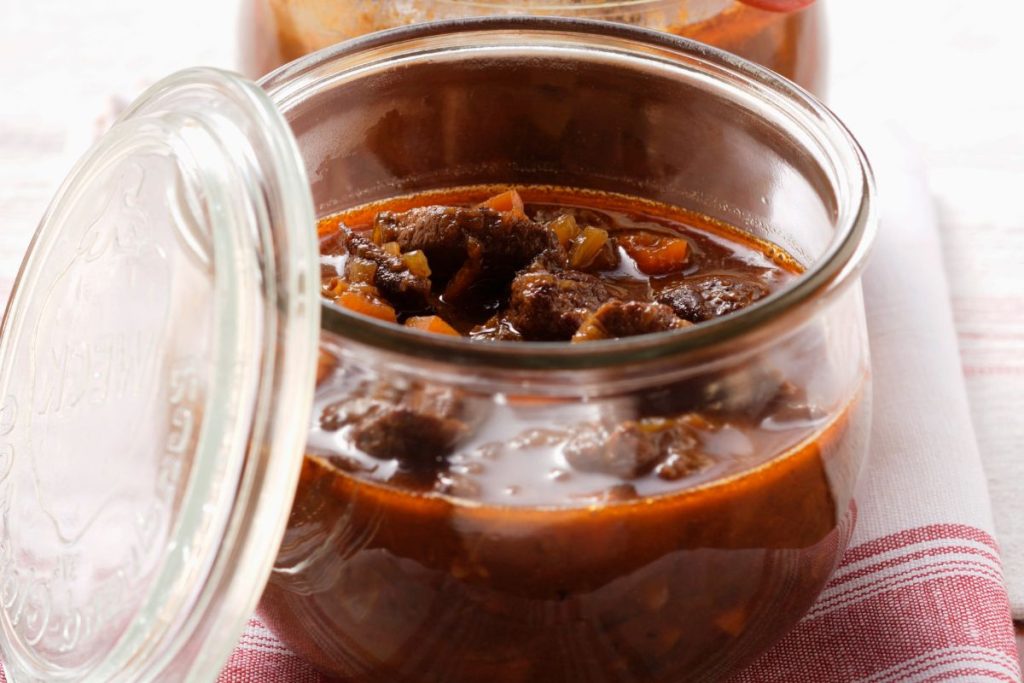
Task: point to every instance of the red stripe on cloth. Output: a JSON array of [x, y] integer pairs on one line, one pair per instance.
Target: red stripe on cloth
[[945, 659], [925, 554], [932, 627], [253, 666], [970, 674], [932, 532], [892, 584], [931, 619], [885, 630], [921, 623]]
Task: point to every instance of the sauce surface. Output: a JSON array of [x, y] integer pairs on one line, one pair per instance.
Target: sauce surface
[[481, 260]]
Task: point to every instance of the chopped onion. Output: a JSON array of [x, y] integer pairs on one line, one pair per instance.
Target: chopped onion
[[335, 287], [587, 247], [361, 270], [417, 263], [565, 228]]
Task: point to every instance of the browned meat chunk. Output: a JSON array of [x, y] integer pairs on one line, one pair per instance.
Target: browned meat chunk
[[551, 306], [439, 231], [627, 319], [390, 274], [508, 241], [417, 439], [709, 296], [635, 448], [416, 424]]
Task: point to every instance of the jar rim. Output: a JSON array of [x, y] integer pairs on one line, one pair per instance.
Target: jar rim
[[830, 274]]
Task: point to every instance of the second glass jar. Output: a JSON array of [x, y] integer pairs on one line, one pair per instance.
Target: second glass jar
[[273, 32]]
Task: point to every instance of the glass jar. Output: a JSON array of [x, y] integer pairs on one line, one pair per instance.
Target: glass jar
[[159, 356], [595, 590], [791, 43]]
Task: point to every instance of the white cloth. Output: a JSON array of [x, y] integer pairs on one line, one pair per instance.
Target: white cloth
[[973, 149], [922, 425]]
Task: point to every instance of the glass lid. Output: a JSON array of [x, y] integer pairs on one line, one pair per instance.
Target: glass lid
[[157, 362]]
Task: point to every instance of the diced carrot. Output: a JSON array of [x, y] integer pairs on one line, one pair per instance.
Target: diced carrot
[[360, 270], [334, 287], [656, 254], [326, 228], [360, 303], [507, 202], [431, 323]]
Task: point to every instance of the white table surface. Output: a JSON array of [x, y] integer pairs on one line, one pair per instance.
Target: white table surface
[[947, 72]]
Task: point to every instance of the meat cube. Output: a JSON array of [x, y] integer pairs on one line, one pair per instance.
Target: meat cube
[[709, 296], [633, 448], [439, 231], [554, 259], [548, 306], [443, 233], [414, 423], [616, 319], [510, 242], [420, 440], [392, 275]]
